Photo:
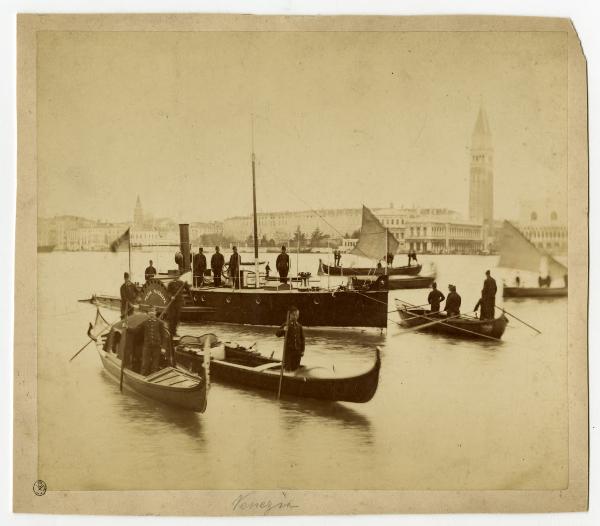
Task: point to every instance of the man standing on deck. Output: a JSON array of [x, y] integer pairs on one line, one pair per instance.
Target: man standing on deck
[[128, 296], [294, 340], [234, 268], [435, 298], [283, 265], [154, 339], [488, 297], [199, 267], [452, 302], [216, 264], [150, 271]]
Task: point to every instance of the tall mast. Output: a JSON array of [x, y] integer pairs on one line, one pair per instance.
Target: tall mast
[[386, 251], [256, 264]]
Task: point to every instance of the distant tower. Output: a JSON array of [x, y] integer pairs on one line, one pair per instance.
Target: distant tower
[[481, 198], [138, 213]]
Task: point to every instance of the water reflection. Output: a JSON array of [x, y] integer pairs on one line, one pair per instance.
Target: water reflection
[[143, 412]]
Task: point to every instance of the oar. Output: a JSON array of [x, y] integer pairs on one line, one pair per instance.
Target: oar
[[519, 319], [92, 338], [287, 324], [124, 344]]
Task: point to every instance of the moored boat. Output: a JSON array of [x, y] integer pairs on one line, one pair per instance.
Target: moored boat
[[170, 385], [240, 366], [392, 282], [462, 327], [534, 292], [368, 271]]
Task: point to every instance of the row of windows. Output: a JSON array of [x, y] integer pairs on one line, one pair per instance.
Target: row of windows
[[534, 216], [542, 234]]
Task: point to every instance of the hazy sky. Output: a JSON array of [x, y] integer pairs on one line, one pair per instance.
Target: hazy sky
[[341, 119]]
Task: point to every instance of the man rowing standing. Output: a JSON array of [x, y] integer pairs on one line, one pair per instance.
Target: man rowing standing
[[488, 297], [435, 298], [294, 340]]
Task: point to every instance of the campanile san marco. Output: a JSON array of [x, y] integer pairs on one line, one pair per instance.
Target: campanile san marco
[[481, 195]]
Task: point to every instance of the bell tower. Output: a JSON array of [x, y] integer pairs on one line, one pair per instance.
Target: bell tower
[[138, 214], [481, 188]]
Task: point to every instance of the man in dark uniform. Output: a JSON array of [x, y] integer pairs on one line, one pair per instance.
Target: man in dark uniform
[[176, 289], [154, 339], [234, 268], [128, 296], [283, 265], [294, 340], [412, 255], [452, 302], [389, 259], [488, 297], [199, 267], [435, 298], [216, 264], [150, 271]]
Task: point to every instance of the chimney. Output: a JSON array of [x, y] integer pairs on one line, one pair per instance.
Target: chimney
[[184, 246]]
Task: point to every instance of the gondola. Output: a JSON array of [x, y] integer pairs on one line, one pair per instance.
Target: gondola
[[173, 386], [367, 271], [240, 366], [392, 283], [534, 292], [462, 327]]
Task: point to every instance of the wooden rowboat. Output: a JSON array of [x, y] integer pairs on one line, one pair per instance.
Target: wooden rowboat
[[243, 367], [461, 327], [367, 271], [169, 385], [534, 292], [392, 283]]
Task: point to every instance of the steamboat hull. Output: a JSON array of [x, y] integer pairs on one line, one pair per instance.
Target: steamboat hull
[[535, 292], [317, 308]]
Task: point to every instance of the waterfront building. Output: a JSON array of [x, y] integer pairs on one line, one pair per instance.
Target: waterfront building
[[544, 222], [440, 236]]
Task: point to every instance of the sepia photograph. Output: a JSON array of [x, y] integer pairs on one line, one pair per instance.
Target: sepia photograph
[[278, 259]]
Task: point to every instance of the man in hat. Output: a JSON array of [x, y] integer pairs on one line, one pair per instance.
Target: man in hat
[[435, 298], [283, 265], [128, 296], [452, 302], [294, 340], [150, 271], [155, 338], [234, 268], [216, 264], [488, 297], [199, 267]]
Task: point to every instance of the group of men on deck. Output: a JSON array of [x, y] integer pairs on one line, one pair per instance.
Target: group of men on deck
[[486, 304]]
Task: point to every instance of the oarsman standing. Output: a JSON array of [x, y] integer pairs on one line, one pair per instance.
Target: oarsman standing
[[150, 271], [435, 298], [294, 340], [234, 268], [488, 297], [128, 296], [199, 267], [216, 264], [452, 302], [283, 265]]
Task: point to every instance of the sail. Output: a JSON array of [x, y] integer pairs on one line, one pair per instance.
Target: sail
[[372, 243], [517, 252]]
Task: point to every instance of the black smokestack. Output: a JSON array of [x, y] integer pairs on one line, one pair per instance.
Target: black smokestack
[[184, 246]]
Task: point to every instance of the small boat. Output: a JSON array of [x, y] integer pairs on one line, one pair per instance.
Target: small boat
[[374, 242], [518, 253], [170, 385], [325, 269], [534, 292], [240, 366], [392, 282], [248, 264], [463, 326], [45, 248]]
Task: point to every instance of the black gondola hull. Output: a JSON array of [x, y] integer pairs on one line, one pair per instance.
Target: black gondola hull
[[368, 271]]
